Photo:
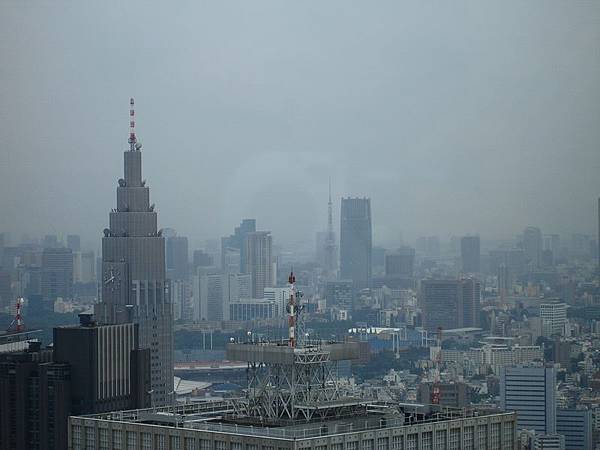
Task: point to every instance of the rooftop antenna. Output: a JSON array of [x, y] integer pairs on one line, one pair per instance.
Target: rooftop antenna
[[132, 138], [17, 325], [292, 311]]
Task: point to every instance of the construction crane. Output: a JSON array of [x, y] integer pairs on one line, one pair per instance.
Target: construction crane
[[435, 390], [17, 325]]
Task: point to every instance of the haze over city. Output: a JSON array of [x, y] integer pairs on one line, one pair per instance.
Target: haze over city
[[454, 118]]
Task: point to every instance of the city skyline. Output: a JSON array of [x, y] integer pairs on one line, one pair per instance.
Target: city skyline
[[502, 124]]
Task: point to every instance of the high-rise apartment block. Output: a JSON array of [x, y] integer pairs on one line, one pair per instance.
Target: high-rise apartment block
[[356, 244]]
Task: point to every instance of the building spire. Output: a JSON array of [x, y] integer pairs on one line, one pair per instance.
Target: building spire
[[132, 138], [330, 212]]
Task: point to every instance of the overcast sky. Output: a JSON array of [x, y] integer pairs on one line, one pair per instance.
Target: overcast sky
[[454, 117]]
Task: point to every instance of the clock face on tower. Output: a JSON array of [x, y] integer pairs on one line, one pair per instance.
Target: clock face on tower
[[112, 278]]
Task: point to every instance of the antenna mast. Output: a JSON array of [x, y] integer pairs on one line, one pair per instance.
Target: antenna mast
[[132, 138], [292, 311], [17, 322]]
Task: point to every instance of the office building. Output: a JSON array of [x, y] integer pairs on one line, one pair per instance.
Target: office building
[[279, 295], [576, 426], [428, 246], [74, 242], [108, 370], [254, 309], [340, 294], [356, 244], [177, 255], [259, 261], [548, 442], [449, 304], [88, 267], [513, 259], [470, 254], [454, 395], [133, 272], [201, 259], [532, 245], [531, 393], [6, 295], [553, 317], [400, 263], [57, 273], [90, 369], [214, 292], [235, 244]]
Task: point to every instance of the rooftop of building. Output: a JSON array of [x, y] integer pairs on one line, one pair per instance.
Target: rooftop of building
[[221, 417]]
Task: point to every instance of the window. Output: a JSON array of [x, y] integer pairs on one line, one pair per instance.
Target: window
[[352, 445], [220, 445], [204, 444], [237, 446], [494, 436], [397, 442], [440, 440], [427, 438], [190, 443], [482, 436], [131, 440], [175, 443], [146, 441], [508, 436], [161, 442], [90, 438], [468, 443], [76, 438], [454, 439], [382, 443], [116, 440], [103, 439], [412, 441], [367, 444]]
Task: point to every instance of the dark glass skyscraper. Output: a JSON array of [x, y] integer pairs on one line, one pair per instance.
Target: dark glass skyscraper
[[356, 241], [134, 287]]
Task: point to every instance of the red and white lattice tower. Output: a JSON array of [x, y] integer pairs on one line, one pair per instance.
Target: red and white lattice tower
[[292, 311], [17, 325]]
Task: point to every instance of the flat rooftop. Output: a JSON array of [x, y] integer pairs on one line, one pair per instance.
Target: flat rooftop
[[219, 417]]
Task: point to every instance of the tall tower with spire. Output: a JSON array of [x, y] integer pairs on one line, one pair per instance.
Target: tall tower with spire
[[330, 242], [134, 285]]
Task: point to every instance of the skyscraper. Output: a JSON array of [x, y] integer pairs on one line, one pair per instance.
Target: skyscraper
[[177, 255], [74, 242], [235, 243], [57, 274], [450, 303], [532, 245], [470, 254], [400, 263], [356, 241], [259, 261], [531, 392], [133, 271]]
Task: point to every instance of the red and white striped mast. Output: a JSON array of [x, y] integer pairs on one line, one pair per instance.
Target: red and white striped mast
[[132, 138], [292, 306], [18, 320]]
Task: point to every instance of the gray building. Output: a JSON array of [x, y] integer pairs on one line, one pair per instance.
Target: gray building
[[450, 303], [531, 393], [134, 287], [532, 245], [356, 244], [576, 426], [259, 261], [235, 244], [177, 255], [470, 254], [340, 294], [400, 263], [57, 273]]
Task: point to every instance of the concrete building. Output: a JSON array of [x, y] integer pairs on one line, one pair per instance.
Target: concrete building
[[235, 244], [356, 244], [470, 254], [549, 442], [259, 261], [253, 309], [340, 294], [134, 283], [74, 242], [214, 292], [531, 393], [576, 426], [532, 245], [279, 295], [450, 304], [553, 316], [401, 263], [57, 273], [177, 256], [454, 395]]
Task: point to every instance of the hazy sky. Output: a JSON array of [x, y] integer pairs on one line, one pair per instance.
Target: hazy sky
[[454, 117]]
